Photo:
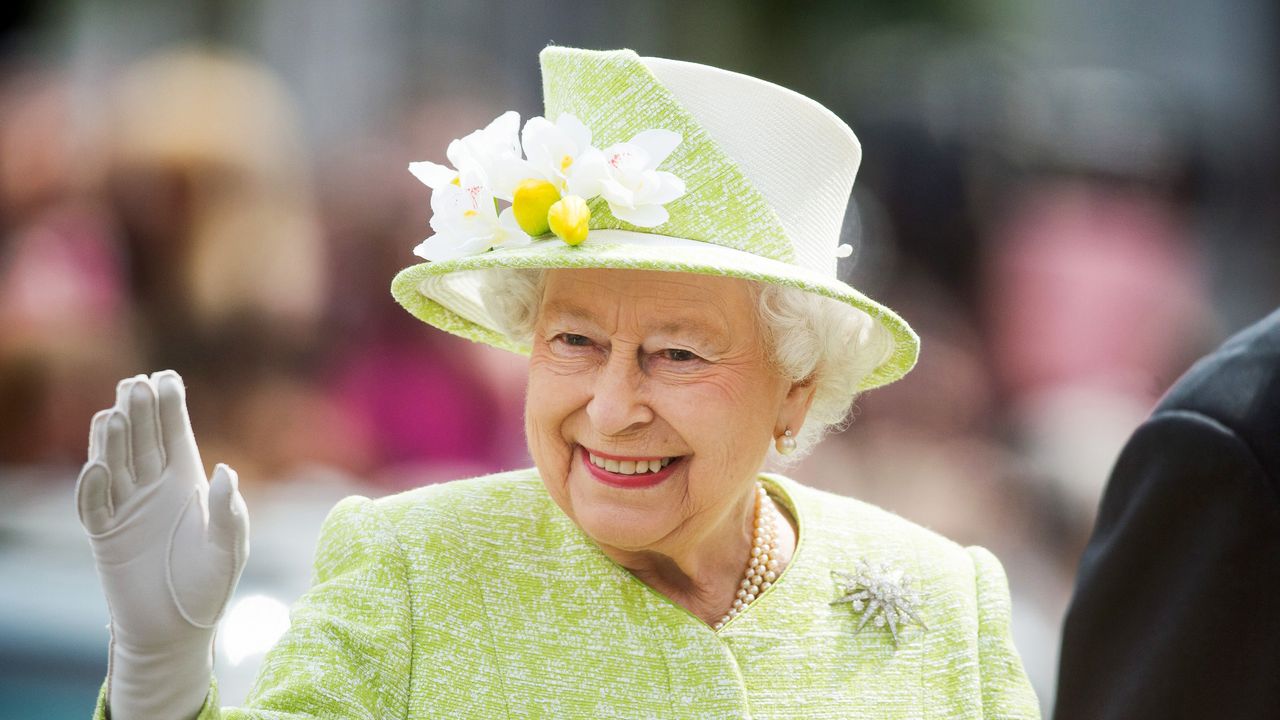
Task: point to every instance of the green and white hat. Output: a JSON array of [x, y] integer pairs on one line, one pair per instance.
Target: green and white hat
[[644, 163]]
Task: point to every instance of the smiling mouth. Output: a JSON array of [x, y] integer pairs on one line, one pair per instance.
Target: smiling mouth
[[629, 473], [629, 467]]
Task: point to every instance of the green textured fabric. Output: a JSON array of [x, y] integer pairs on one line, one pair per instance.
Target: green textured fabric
[[614, 94], [481, 599]]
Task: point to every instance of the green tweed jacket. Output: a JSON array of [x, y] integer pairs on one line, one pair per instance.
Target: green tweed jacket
[[481, 599]]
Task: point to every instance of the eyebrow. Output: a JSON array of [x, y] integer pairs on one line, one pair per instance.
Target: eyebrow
[[701, 332], [572, 311]]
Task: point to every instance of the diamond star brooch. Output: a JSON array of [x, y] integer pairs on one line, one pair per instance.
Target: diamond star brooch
[[881, 594]]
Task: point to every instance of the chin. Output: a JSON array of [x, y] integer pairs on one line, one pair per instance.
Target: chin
[[627, 519], [624, 529]]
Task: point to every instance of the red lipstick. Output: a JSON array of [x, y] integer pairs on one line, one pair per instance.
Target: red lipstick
[[643, 480]]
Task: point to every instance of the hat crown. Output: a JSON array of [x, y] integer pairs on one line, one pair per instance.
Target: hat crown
[[768, 171], [797, 153]]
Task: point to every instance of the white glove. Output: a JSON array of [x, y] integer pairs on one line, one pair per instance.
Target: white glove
[[169, 545]]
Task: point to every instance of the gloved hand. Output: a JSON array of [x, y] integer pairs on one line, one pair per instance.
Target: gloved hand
[[169, 545]]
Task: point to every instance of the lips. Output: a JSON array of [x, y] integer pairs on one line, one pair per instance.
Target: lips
[[628, 472], [628, 467]]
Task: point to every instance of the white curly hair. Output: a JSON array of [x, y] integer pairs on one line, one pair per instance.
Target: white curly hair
[[810, 338]]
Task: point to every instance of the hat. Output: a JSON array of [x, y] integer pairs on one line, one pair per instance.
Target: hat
[[702, 171]]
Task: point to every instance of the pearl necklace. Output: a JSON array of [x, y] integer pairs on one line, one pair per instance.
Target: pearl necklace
[[762, 568]]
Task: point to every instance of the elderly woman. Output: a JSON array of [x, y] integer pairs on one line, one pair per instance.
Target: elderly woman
[[668, 263]]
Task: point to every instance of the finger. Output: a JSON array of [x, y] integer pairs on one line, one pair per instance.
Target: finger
[[93, 498], [122, 391], [98, 435], [228, 516], [142, 405], [117, 458], [175, 425]]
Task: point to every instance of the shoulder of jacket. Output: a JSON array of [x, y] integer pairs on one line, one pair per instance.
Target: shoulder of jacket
[[850, 530], [462, 506]]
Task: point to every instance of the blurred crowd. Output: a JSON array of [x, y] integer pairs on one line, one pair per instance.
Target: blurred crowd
[[1065, 237], [187, 229]]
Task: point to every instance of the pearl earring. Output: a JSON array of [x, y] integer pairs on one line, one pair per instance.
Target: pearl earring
[[785, 443]]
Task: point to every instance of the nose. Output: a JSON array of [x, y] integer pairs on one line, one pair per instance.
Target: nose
[[618, 401]]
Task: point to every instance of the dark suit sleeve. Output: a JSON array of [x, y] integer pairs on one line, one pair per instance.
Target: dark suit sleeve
[[1177, 608]]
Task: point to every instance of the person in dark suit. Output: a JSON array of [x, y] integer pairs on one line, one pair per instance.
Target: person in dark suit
[[1176, 612]]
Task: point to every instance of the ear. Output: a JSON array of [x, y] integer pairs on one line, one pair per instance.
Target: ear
[[795, 406]]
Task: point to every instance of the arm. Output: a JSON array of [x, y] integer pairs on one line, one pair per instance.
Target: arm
[[347, 652], [1174, 609], [1006, 691]]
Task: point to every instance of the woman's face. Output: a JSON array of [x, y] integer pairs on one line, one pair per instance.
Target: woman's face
[[664, 371]]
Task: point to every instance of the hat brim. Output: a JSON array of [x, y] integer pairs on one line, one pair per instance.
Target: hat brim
[[446, 294]]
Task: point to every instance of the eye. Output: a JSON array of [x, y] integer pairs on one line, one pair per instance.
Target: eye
[[679, 355], [572, 340]]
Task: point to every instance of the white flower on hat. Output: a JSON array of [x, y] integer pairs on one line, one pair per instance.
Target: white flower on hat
[[548, 173], [493, 150], [466, 220], [552, 149], [626, 176]]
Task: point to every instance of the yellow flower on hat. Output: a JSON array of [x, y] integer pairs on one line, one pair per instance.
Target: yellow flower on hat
[[568, 219], [532, 199]]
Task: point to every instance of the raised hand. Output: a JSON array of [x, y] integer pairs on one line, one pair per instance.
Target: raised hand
[[169, 544]]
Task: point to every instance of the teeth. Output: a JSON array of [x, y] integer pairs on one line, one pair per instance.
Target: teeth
[[629, 467]]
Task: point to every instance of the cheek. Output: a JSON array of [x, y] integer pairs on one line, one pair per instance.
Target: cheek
[[551, 398], [727, 401], [727, 420]]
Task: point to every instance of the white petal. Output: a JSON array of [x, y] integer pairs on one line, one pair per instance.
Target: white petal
[[660, 187], [657, 144], [615, 192], [445, 247], [535, 137], [448, 200], [460, 153], [463, 226], [509, 231], [641, 216], [505, 173], [474, 184], [504, 132], [431, 174], [500, 138], [626, 159], [578, 133], [587, 173], [555, 149]]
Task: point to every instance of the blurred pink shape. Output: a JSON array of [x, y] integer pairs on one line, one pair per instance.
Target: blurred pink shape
[[61, 279], [1093, 284], [423, 405]]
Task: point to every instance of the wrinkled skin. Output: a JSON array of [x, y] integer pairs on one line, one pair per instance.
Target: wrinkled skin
[[641, 363]]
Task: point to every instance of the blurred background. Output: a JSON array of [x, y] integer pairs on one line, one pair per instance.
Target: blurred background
[[1069, 200]]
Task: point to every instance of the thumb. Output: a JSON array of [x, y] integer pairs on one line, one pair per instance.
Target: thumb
[[93, 498], [228, 515]]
